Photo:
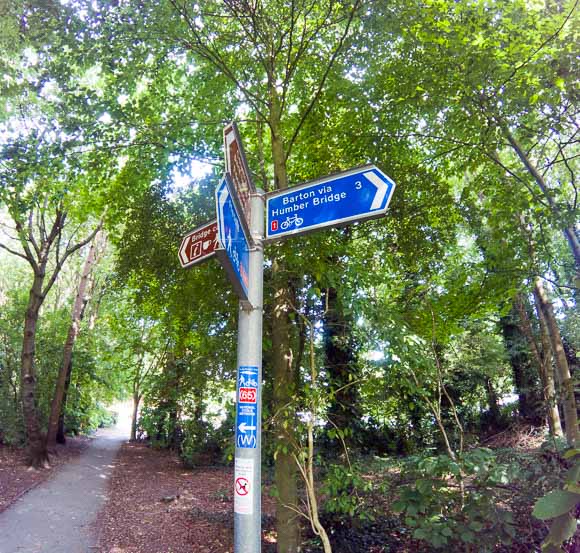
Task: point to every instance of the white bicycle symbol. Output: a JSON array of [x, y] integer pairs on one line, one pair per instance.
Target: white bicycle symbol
[[294, 220]]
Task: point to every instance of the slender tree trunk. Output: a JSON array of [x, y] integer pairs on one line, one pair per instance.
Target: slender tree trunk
[[568, 399], [73, 332], [37, 453], [136, 401], [60, 433], [543, 360], [569, 231], [283, 368], [284, 405], [547, 359], [573, 358]]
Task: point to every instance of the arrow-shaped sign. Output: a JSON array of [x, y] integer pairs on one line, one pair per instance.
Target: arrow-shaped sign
[[199, 245], [245, 427], [354, 195]]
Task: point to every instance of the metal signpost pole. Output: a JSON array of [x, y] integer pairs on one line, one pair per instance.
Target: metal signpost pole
[[247, 485]]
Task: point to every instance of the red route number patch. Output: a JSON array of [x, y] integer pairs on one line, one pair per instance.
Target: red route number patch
[[248, 395]]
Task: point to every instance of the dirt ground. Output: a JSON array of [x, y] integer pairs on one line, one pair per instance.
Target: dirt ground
[[175, 511], [16, 478]]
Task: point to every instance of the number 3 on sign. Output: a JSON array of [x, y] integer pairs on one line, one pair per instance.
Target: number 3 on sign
[[358, 185]]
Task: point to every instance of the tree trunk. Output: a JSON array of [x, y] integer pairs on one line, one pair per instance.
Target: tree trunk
[[573, 357], [37, 253], [543, 360], [341, 368], [554, 421], [284, 379], [284, 409], [60, 433], [73, 332], [37, 455], [568, 398], [492, 401], [136, 401], [525, 379]]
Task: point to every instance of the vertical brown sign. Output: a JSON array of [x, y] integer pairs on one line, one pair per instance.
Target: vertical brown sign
[[237, 167]]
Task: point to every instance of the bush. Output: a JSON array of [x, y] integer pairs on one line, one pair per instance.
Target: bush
[[204, 444], [442, 512], [160, 426], [197, 441], [344, 488], [12, 429], [85, 421]]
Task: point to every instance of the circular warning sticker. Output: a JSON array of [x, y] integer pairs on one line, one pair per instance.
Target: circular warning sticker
[[242, 486]]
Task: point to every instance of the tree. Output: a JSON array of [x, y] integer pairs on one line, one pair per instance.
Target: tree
[[41, 240], [78, 310]]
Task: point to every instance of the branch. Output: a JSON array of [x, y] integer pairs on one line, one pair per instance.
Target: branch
[[67, 254], [216, 60], [23, 242], [324, 77], [14, 252], [495, 158], [545, 43], [31, 235]]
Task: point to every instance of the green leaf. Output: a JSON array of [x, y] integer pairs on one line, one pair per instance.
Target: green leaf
[[467, 536], [424, 486], [420, 534], [571, 453], [554, 504], [562, 529], [573, 475], [476, 526], [398, 506]]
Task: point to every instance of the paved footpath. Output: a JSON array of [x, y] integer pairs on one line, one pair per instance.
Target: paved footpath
[[58, 515]]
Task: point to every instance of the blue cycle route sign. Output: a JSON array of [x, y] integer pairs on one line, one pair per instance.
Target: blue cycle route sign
[[354, 195], [235, 251], [248, 390]]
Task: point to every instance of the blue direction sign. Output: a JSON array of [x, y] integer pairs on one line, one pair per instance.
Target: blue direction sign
[[361, 193], [248, 390], [235, 251]]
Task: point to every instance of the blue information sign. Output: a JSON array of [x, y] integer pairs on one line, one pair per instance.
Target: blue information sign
[[248, 393], [361, 193], [235, 251]]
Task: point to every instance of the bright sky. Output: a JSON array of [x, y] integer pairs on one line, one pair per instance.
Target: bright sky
[[183, 181]]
